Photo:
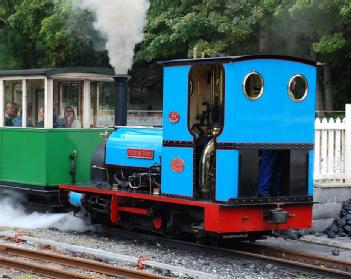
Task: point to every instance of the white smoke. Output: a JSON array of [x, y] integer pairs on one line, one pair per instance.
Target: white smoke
[[14, 215], [121, 22]]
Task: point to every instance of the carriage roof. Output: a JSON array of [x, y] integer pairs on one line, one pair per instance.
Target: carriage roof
[[53, 72]]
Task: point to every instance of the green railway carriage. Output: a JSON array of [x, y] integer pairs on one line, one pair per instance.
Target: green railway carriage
[[50, 125]]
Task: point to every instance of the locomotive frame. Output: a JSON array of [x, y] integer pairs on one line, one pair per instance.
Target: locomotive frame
[[228, 143]]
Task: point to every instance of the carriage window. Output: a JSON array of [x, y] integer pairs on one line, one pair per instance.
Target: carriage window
[[253, 86], [298, 88], [102, 104], [67, 107], [35, 103], [13, 103]]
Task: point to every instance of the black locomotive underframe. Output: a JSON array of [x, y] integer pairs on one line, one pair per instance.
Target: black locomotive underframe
[[35, 195], [176, 218]]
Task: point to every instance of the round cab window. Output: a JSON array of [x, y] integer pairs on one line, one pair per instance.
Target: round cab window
[[253, 86], [298, 88]]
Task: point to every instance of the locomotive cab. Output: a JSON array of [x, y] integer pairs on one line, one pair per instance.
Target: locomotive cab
[[206, 97], [239, 110]]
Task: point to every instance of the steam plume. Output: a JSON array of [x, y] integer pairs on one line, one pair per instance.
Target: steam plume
[[13, 215], [121, 22]]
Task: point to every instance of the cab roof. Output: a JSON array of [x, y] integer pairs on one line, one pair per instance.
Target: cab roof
[[228, 59]]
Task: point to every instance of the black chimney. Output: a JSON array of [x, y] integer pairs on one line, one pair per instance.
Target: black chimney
[[121, 97]]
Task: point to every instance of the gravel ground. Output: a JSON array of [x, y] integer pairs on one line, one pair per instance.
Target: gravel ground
[[7, 273], [223, 266]]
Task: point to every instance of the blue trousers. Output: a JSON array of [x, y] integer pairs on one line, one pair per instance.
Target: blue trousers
[[269, 174]]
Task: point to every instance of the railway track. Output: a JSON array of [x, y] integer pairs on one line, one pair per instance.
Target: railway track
[[331, 268], [288, 258], [17, 258], [304, 260]]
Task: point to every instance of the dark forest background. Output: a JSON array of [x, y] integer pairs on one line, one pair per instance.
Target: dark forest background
[[52, 33]]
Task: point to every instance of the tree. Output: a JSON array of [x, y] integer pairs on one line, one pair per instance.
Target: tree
[[176, 27], [334, 48], [47, 33], [43, 33], [314, 29], [6, 58], [72, 41]]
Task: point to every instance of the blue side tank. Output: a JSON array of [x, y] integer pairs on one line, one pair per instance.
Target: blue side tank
[[134, 147]]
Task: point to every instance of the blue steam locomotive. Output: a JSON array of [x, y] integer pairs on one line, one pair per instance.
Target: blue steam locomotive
[[234, 156]]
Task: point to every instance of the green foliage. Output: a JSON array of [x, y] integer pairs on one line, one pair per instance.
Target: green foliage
[[72, 41], [330, 44], [297, 27], [175, 27], [23, 30], [52, 33], [315, 29], [46, 33]]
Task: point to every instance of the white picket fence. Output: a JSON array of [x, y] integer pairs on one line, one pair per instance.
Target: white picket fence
[[332, 162]]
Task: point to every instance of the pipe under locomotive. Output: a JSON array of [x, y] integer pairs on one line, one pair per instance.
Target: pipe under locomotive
[[195, 175]]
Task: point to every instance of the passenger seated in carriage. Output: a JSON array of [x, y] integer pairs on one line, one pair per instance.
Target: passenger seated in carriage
[[17, 122], [41, 118], [69, 120], [10, 114]]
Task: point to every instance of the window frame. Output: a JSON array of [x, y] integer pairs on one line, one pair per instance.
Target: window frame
[[86, 79], [23, 80], [244, 83], [291, 95]]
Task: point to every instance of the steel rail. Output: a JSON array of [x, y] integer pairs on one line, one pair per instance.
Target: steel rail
[[286, 253], [294, 260], [80, 263], [41, 270], [317, 267], [320, 261]]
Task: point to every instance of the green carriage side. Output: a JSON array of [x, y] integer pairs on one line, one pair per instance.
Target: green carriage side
[[37, 154]]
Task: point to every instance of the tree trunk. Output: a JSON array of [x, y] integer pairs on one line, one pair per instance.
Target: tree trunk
[[328, 88], [3, 23], [319, 98], [263, 40], [319, 88]]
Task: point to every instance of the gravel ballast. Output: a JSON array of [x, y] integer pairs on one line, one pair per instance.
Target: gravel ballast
[[214, 264]]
